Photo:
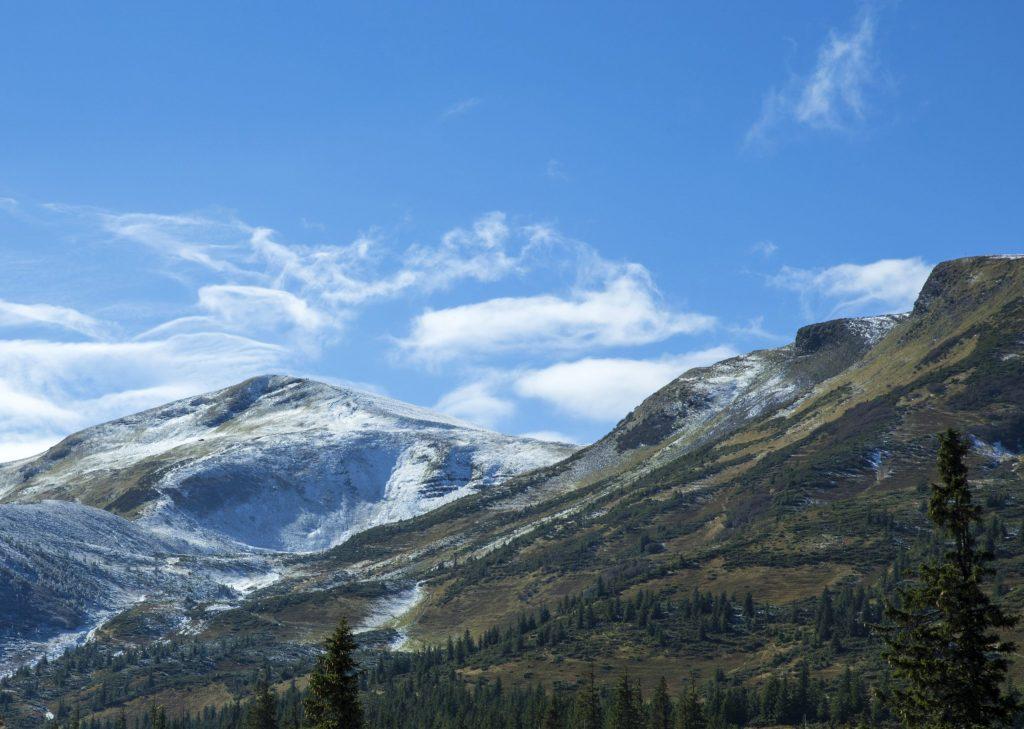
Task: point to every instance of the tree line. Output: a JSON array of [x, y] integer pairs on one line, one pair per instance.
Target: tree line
[[947, 661]]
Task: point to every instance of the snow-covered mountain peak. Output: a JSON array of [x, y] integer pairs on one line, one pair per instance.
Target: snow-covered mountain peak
[[274, 462]]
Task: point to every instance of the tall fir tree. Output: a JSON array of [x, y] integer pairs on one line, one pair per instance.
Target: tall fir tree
[[586, 712], [941, 641], [554, 716], [263, 708], [333, 699], [624, 712], [661, 707], [157, 717], [690, 714]]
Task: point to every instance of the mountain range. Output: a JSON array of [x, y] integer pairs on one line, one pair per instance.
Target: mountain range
[[257, 515]]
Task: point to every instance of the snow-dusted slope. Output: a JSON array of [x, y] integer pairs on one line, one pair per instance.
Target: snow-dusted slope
[[274, 462], [709, 402], [65, 568]]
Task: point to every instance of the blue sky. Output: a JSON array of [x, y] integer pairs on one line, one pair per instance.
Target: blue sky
[[529, 215]]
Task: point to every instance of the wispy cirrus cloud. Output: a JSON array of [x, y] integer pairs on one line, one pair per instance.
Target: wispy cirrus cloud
[[833, 95], [260, 303], [13, 314], [555, 170], [888, 285], [460, 107], [765, 248], [50, 388]]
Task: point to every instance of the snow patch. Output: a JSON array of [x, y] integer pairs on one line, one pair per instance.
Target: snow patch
[[388, 613]]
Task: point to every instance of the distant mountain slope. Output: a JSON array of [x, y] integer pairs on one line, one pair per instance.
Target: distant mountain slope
[[783, 472], [707, 403], [789, 460], [65, 567], [274, 462]]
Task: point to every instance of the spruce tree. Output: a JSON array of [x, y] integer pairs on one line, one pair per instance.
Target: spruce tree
[[942, 643], [333, 699], [553, 718], [157, 717], [661, 707], [624, 712], [587, 707], [263, 708], [691, 712]]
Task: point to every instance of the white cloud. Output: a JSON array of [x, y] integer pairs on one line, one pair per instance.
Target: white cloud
[[13, 314], [555, 170], [460, 107], [765, 247], [551, 436], [755, 328], [263, 305], [196, 239], [625, 311], [253, 308], [831, 97], [8, 204], [607, 389], [16, 446], [834, 94], [337, 275], [476, 403], [48, 389], [884, 286]]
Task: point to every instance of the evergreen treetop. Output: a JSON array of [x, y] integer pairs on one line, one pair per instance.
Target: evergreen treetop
[[333, 699], [942, 642]]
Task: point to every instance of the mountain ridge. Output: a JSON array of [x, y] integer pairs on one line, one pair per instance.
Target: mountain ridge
[[783, 472], [335, 460]]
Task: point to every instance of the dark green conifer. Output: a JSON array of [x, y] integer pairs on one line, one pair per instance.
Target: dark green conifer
[[263, 708], [691, 713], [333, 699], [942, 643], [587, 707], [553, 717], [624, 712], [661, 707]]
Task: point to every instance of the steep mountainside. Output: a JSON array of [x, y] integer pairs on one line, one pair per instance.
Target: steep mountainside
[[194, 502], [274, 462], [782, 473], [65, 568], [711, 402]]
